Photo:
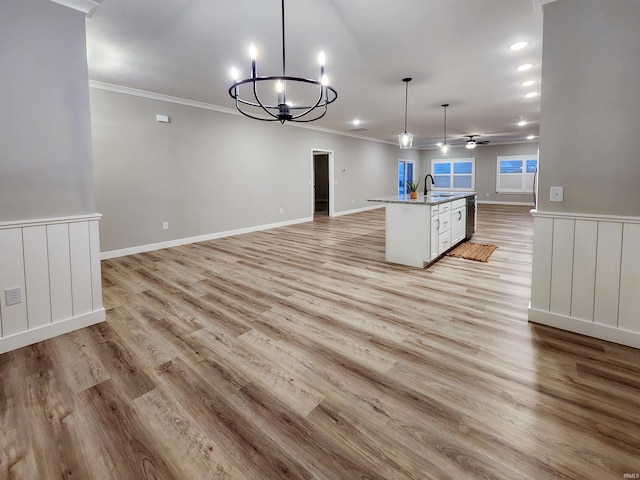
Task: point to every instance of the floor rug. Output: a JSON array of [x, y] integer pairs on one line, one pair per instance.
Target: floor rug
[[480, 252]]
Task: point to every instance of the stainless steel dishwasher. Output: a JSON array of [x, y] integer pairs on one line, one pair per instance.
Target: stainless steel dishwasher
[[471, 216]]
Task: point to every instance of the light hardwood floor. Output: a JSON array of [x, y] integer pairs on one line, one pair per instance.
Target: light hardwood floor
[[299, 353]]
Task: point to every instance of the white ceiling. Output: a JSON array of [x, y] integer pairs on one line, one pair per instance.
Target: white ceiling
[[456, 51]]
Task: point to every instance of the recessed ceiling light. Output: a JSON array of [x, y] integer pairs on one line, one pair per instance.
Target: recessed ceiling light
[[356, 122], [522, 122], [531, 94], [531, 137], [518, 45], [524, 67], [528, 83]]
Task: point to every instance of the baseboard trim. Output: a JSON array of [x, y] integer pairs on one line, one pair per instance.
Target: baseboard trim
[[51, 330], [496, 202], [583, 327], [357, 210], [199, 238]]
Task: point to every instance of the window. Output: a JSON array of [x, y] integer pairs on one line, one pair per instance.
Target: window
[[405, 174], [454, 174], [516, 173]]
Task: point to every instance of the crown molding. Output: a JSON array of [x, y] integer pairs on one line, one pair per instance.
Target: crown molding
[[208, 106], [537, 4], [88, 7]]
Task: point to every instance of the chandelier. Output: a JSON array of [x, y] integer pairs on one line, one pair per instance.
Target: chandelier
[[265, 97]]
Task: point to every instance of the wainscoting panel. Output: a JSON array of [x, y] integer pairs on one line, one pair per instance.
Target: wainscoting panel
[[80, 268], [36, 275], [60, 270], [56, 263], [14, 318], [630, 279], [584, 269], [541, 279], [607, 289], [586, 275], [562, 266]]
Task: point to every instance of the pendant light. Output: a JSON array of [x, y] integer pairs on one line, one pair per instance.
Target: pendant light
[[406, 139], [444, 149], [278, 107]]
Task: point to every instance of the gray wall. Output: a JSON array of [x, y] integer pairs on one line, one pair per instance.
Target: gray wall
[[208, 172], [590, 111], [45, 137], [486, 159]]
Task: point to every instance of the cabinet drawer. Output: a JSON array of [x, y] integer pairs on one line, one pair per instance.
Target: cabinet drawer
[[434, 211], [445, 221], [444, 242], [444, 207], [458, 203]]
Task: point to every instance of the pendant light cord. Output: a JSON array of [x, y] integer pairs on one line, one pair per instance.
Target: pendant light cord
[[406, 105], [445, 105]]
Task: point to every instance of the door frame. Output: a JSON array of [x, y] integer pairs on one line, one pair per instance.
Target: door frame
[[413, 170], [331, 180]]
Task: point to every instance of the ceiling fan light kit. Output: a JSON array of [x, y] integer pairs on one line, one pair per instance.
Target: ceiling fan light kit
[[282, 109], [473, 143], [405, 140]]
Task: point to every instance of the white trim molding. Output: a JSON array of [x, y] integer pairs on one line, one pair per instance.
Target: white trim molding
[[199, 238], [55, 264], [586, 275], [88, 7], [209, 106]]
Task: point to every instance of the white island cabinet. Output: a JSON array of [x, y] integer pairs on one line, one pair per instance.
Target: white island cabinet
[[419, 231]]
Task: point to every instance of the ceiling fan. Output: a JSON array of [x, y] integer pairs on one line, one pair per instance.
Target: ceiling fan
[[471, 143]]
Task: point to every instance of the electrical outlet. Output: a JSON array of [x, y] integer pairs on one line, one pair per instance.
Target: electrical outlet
[[282, 210], [13, 296], [165, 225]]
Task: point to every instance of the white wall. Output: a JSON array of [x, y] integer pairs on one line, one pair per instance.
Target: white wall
[[45, 136], [590, 106], [208, 172]]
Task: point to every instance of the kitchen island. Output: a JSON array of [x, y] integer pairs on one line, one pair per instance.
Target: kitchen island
[[419, 231]]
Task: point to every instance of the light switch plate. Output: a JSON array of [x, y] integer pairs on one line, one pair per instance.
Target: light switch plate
[[556, 194]]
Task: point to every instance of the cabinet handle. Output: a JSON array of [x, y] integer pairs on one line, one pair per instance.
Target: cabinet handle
[[438, 225], [459, 215]]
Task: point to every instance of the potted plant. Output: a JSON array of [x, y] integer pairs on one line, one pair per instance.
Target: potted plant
[[413, 188]]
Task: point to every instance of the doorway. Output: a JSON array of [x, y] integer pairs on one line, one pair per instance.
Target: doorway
[[406, 172], [320, 183], [322, 201]]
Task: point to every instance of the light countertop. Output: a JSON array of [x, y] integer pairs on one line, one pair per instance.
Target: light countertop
[[432, 198]]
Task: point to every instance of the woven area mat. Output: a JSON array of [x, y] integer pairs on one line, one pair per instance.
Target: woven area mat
[[480, 252]]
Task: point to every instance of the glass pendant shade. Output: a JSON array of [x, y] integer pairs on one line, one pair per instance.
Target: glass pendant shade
[[444, 149], [405, 140]]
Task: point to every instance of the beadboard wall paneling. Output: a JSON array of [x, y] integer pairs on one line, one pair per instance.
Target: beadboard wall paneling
[[586, 275], [629, 315], [56, 262]]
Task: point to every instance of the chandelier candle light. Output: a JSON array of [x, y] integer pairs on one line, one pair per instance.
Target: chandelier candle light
[[405, 139], [280, 108]]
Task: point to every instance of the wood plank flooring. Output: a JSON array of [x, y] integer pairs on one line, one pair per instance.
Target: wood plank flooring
[[298, 353]]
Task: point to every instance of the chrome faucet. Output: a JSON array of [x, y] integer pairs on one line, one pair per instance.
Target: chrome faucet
[[426, 184]]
